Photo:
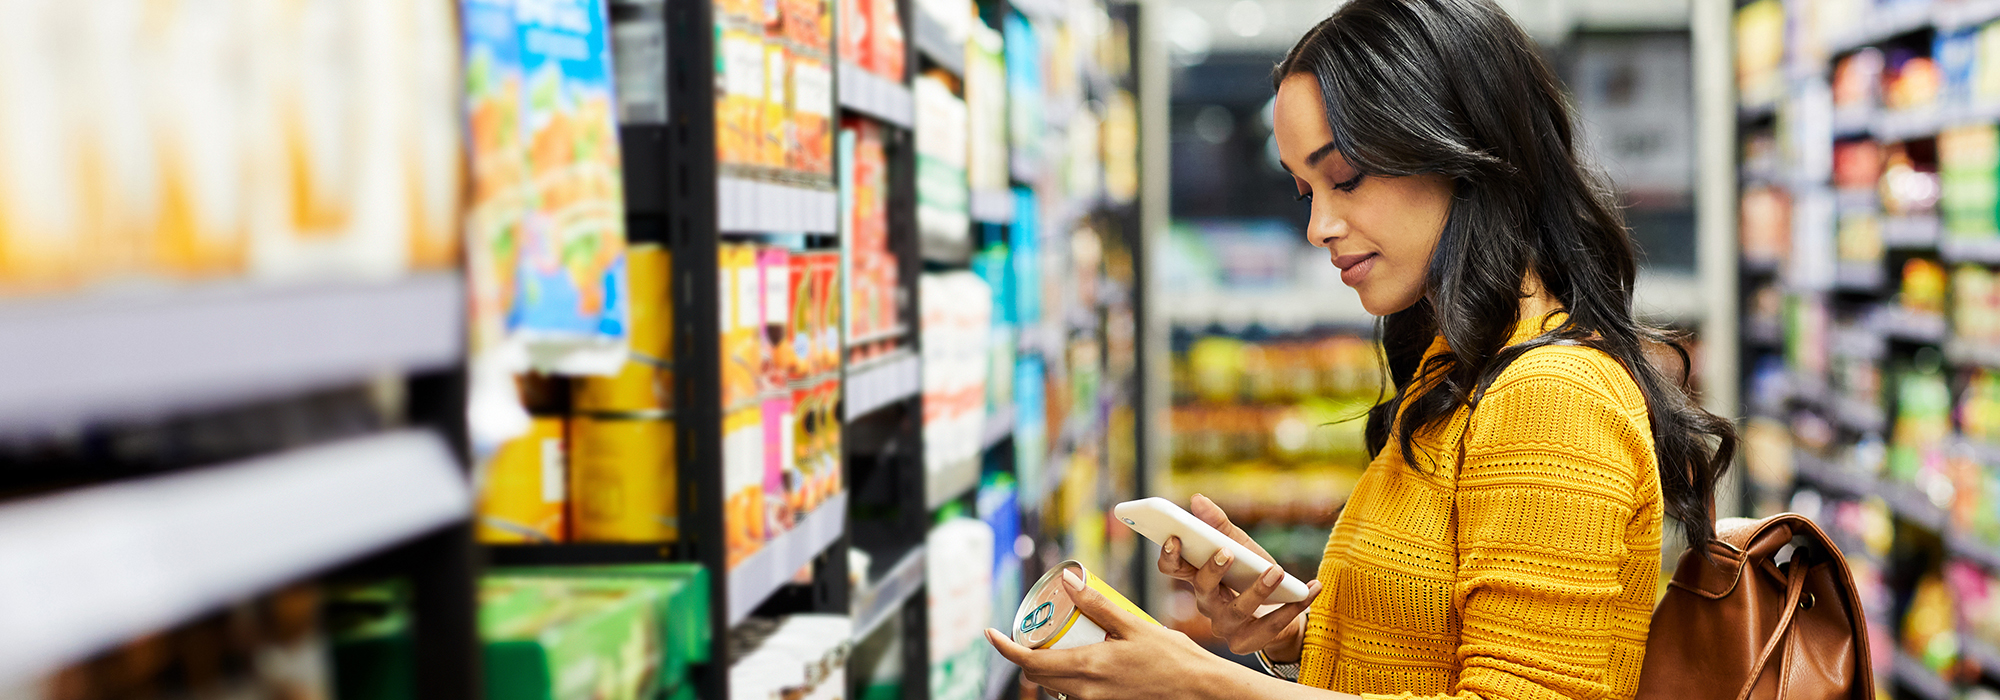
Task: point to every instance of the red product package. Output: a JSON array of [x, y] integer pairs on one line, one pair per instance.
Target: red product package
[[1856, 164], [796, 353], [885, 57], [826, 301], [871, 215], [856, 34]]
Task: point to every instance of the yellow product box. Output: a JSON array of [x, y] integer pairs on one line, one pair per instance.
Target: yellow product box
[[623, 478], [775, 131], [743, 482], [740, 106], [524, 498]]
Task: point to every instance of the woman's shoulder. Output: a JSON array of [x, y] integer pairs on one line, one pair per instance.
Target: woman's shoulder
[[1569, 372]]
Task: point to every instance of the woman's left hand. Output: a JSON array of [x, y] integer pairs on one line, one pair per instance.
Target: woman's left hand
[[1137, 660]]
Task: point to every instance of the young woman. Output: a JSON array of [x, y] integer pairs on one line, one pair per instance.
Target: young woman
[[1505, 540]]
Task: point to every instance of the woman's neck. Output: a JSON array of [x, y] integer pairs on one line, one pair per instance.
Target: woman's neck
[[1536, 301]]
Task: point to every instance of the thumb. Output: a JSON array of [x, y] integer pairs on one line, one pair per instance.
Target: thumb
[[1115, 620]]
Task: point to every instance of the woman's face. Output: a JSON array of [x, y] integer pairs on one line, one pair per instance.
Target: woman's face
[[1379, 231]]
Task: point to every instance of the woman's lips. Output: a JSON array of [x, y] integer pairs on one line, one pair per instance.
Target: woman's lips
[[1354, 267]]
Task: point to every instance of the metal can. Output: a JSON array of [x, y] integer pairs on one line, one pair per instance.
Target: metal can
[[1048, 617], [623, 478], [523, 497]]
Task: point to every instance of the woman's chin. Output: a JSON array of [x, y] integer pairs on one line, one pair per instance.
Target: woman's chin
[[1379, 305]]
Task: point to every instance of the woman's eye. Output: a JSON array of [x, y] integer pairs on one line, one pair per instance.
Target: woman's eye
[[1350, 184]]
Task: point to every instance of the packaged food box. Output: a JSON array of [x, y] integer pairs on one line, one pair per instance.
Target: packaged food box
[[547, 639]]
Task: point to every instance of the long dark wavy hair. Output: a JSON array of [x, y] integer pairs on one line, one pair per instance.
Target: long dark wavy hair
[[1454, 87]]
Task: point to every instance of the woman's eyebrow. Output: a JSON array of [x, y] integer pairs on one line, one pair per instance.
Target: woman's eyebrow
[[1320, 154]]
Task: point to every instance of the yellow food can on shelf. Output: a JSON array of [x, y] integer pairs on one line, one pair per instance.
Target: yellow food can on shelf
[[1049, 619], [623, 477], [524, 496], [649, 277]]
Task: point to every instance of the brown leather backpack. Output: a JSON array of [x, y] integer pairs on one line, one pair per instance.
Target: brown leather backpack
[[1739, 624]]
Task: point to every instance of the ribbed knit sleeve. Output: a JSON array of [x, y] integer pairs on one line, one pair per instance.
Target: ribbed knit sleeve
[[1558, 467]]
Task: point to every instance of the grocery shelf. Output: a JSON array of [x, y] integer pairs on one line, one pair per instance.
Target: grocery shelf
[[1966, 352], [999, 675], [879, 336], [878, 603], [1961, 14], [1963, 546], [992, 206], [132, 353], [1882, 22], [91, 568], [1829, 477], [1276, 309], [769, 569], [1891, 126], [1910, 504], [1973, 250], [581, 553], [999, 427], [1858, 276], [1861, 416], [755, 206], [875, 96], [1910, 231], [1913, 326], [936, 44], [1923, 682], [1981, 654], [946, 483], [881, 382]]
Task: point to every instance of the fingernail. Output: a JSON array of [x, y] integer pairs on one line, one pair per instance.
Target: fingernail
[[1070, 579], [1271, 575], [1221, 558]]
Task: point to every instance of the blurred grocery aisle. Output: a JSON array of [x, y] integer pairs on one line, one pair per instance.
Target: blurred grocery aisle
[[1867, 164]]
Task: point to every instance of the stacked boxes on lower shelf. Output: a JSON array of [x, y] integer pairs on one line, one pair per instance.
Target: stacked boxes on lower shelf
[[594, 633], [798, 657]]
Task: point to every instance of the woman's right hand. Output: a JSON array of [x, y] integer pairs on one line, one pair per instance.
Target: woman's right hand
[[1280, 633]]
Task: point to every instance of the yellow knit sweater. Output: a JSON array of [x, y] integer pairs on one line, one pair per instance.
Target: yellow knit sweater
[[1528, 571]]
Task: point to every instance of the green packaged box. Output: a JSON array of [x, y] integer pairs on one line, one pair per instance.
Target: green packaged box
[[549, 639], [685, 633]]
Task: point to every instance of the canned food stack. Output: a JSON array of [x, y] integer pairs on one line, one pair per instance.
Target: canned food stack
[[797, 657], [598, 463]]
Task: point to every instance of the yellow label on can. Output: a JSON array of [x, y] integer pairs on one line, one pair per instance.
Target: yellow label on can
[[623, 477], [524, 498], [649, 275]]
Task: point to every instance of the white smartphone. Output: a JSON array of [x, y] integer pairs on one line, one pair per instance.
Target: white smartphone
[[1159, 519]]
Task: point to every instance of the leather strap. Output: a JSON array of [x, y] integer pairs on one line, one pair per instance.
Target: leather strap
[[1795, 584]]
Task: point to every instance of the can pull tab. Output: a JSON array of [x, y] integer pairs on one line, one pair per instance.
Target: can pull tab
[[1037, 618]]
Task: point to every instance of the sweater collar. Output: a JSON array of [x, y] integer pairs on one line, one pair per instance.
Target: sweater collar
[[1524, 331]]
